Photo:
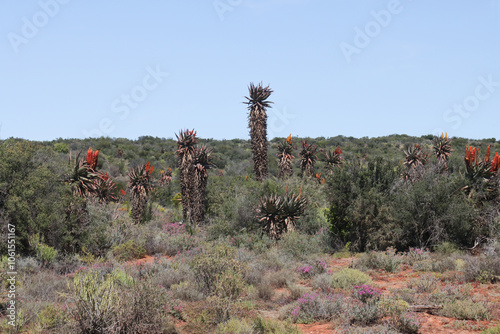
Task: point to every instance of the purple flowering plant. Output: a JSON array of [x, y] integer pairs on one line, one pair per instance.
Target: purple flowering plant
[[365, 293]]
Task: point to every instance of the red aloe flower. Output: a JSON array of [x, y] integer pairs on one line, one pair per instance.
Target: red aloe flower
[[496, 163], [487, 156], [92, 158]]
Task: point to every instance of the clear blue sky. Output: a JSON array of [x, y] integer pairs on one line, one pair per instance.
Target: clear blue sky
[[123, 68]]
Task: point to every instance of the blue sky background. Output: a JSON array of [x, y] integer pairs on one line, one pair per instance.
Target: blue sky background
[[67, 77]]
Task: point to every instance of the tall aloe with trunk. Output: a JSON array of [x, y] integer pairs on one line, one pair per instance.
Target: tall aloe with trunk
[[200, 178], [308, 158], [257, 122], [285, 158], [186, 152], [140, 185]]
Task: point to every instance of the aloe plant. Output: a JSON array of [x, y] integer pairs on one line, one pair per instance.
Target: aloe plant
[[140, 185], [481, 175], [308, 158], [186, 150], [442, 150], [333, 159], [285, 158], [257, 122], [87, 181], [200, 178], [278, 213]]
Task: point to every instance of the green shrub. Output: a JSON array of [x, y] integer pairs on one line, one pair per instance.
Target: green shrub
[[392, 307], [51, 317], [388, 261], [258, 326], [347, 278], [265, 326], [218, 272], [423, 283], [299, 245], [312, 307], [485, 269], [378, 329], [446, 248], [44, 286], [451, 292], [492, 330], [44, 253], [265, 290], [465, 310], [235, 326], [406, 323], [100, 305], [128, 251], [96, 301], [322, 282], [186, 291]]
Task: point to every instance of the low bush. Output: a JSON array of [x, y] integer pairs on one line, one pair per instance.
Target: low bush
[[44, 286], [423, 283], [172, 273], [465, 310], [391, 307], [101, 305], [218, 272], [265, 290], [485, 269], [388, 261], [492, 330], [379, 329], [264, 326], [451, 292], [128, 251], [96, 302], [257, 326], [446, 248], [187, 291], [406, 322], [313, 307], [356, 312], [52, 318], [299, 245], [365, 293], [322, 282], [347, 278]]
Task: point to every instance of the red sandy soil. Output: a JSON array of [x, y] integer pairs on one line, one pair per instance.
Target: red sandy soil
[[389, 282], [431, 324]]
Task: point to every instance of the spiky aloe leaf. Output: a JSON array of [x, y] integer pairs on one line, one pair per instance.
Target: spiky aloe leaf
[[442, 147]]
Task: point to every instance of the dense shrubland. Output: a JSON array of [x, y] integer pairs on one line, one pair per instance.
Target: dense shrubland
[[380, 194]]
